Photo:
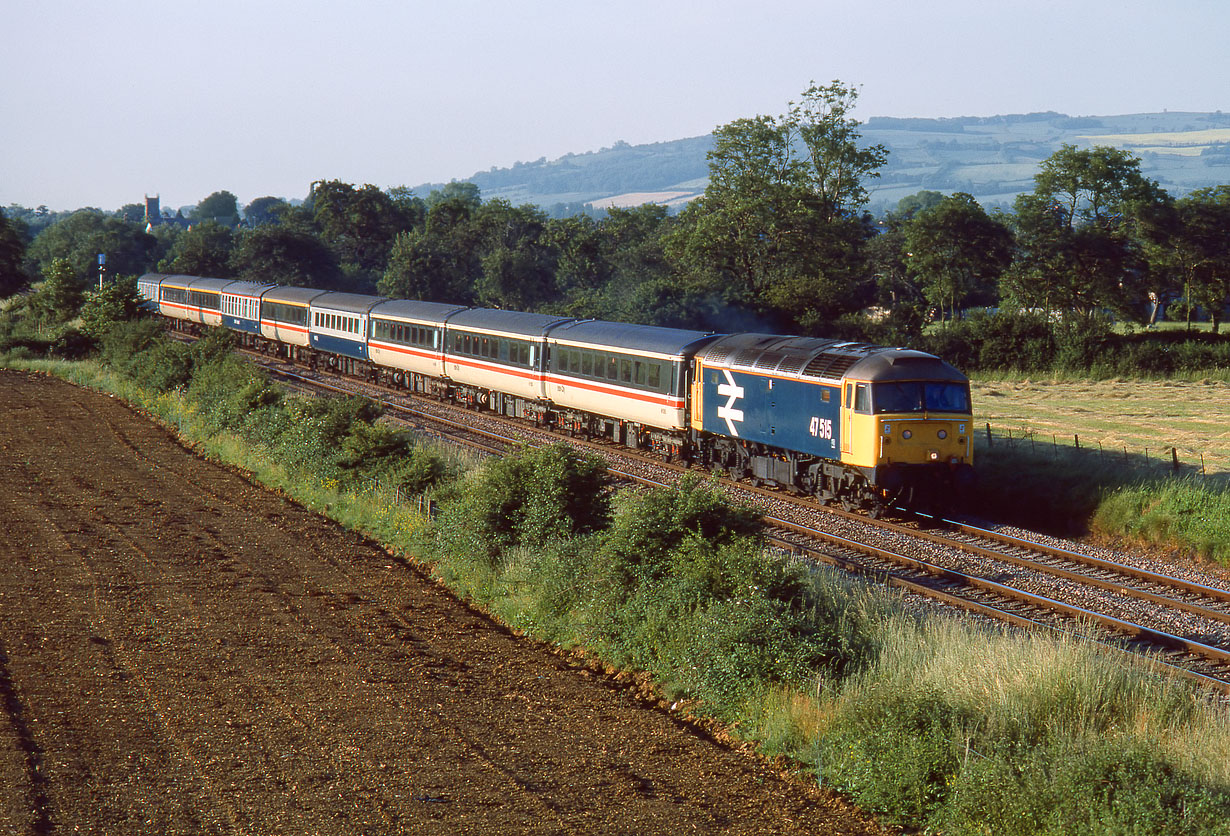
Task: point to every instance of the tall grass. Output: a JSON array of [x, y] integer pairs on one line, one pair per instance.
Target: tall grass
[[975, 732], [1072, 492], [1179, 515]]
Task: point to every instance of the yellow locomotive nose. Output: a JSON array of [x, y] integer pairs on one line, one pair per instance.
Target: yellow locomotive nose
[[923, 441]]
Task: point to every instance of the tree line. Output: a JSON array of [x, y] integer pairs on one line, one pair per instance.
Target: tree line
[[780, 241]]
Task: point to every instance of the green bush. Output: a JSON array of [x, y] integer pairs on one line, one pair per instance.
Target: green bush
[[655, 522], [1183, 514], [528, 499], [229, 391]]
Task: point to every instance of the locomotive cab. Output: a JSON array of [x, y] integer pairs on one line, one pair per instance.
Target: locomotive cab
[[907, 427]]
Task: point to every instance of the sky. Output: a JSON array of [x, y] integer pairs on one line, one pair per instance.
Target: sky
[[105, 101]]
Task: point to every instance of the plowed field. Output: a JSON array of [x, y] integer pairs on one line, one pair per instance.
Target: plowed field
[[184, 652]]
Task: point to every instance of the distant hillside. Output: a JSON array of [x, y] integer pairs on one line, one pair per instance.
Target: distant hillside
[[993, 158]]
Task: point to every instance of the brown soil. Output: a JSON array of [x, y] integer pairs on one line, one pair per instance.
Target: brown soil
[[184, 652]]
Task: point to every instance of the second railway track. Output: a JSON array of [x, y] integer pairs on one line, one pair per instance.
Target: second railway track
[[1180, 623]]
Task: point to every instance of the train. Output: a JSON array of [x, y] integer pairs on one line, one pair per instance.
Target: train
[[852, 424]]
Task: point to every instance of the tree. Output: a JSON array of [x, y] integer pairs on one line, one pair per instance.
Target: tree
[[286, 256], [1190, 240], [439, 262], [117, 301], [956, 250], [79, 239], [412, 208], [518, 266], [1078, 248], [358, 224], [134, 212], [777, 227], [12, 252], [221, 207], [203, 250], [912, 204], [837, 166], [465, 192], [58, 298], [265, 210]]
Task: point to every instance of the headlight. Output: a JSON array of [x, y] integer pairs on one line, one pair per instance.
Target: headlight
[[943, 434], [906, 434]]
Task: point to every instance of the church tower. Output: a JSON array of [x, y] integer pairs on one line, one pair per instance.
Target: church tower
[[153, 215]]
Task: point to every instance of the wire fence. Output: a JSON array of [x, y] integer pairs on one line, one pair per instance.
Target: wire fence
[[1165, 459], [400, 495]]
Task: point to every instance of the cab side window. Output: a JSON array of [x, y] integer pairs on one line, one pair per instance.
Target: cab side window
[[862, 398]]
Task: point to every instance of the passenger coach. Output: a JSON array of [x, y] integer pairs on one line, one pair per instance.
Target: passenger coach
[[337, 326], [284, 315], [497, 359], [407, 341], [635, 375], [192, 299], [241, 306]]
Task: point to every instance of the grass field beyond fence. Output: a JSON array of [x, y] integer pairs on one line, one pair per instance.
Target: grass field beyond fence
[[1136, 418], [1077, 456]]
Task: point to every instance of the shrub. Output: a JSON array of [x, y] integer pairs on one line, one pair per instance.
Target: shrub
[[654, 523], [532, 498], [1105, 787]]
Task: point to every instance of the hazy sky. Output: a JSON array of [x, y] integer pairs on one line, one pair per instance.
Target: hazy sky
[[104, 101]]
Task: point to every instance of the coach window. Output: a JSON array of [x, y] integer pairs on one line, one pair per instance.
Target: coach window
[[655, 376]]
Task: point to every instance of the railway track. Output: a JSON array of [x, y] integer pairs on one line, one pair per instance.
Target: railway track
[[1179, 625]]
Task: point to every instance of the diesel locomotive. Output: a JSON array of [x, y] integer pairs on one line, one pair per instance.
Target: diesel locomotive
[[849, 423]]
